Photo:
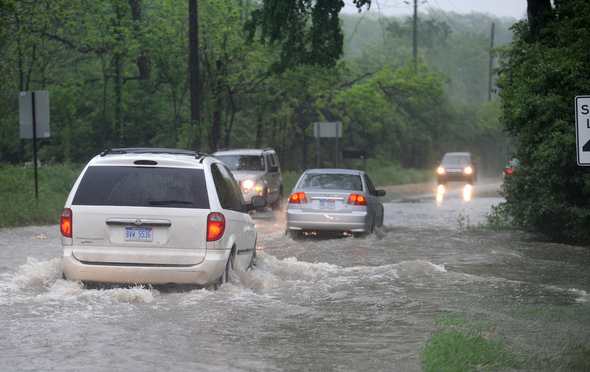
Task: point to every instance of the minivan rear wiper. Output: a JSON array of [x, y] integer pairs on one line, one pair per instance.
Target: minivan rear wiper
[[168, 202]]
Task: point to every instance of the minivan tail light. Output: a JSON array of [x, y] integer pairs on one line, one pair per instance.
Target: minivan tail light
[[215, 226], [66, 223], [298, 198], [355, 199]]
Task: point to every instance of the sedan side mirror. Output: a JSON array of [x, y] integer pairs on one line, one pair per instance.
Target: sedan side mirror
[[380, 192]]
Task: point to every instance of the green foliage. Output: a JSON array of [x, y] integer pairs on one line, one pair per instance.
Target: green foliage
[[460, 346], [304, 32], [117, 76], [18, 202], [549, 193], [466, 344]]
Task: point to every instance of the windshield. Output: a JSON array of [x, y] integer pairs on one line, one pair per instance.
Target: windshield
[[455, 160], [243, 162]]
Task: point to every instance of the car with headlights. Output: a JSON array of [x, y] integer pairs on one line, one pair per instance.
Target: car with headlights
[[456, 166], [334, 200], [156, 216], [257, 171]]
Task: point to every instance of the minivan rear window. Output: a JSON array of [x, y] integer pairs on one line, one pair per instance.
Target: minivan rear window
[[143, 187]]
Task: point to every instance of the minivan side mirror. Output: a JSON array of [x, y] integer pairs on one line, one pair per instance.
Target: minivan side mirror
[[273, 169], [256, 203]]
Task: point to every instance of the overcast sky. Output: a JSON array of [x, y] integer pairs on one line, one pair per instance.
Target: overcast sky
[[501, 8]]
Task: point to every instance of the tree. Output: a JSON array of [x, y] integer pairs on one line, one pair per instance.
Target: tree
[[539, 78], [304, 32]]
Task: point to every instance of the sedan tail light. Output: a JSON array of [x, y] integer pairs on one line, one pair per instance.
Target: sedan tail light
[[215, 226], [298, 198], [355, 199], [66, 223]]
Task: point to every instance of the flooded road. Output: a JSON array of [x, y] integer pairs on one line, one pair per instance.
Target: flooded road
[[336, 304]]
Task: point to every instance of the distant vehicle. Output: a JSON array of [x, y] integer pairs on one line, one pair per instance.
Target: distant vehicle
[[456, 166], [156, 216], [257, 171], [508, 170], [507, 174], [334, 200]]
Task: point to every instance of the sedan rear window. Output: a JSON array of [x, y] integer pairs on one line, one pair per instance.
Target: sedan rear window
[[143, 187], [332, 181]]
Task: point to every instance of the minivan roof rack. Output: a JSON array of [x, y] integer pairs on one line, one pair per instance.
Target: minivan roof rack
[[152, 150]]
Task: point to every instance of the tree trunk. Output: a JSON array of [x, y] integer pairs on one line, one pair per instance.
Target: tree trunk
[[193, 14], [535, 10]]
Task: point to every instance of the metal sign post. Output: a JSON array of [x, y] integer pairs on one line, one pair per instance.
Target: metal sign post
[[34, 121], [327, 130]]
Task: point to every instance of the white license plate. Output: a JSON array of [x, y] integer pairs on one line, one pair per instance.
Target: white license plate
[[327, 204], [143, 234]]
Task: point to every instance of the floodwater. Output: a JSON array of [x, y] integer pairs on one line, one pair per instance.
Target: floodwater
[[320, 303]]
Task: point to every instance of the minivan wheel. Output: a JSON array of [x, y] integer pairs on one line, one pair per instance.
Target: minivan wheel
[[224, 278]]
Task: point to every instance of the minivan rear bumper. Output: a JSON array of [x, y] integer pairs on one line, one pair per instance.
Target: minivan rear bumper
[[205, 273]]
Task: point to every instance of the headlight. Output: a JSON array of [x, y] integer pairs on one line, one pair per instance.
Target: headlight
[[468, 170], [440, 170], [248, 184]]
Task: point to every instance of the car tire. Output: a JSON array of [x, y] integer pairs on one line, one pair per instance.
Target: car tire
[[253, 259], [278, 204], [224, 278]]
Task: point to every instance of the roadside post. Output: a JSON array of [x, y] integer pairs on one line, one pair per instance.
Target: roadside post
[[327, 130], [33, 109]]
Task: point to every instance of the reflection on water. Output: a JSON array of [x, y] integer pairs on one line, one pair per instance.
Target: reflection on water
[[467, 192], [440, 190]]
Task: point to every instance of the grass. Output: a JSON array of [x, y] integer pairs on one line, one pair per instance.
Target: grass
[[381, 173], [466, 345], [22, 208], [19, 204]]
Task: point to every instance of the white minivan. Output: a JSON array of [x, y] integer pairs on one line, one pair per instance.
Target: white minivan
[[156, 216]]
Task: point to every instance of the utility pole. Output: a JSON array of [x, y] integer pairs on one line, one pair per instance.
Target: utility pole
[[193, 14], [416, 36], [491, 65]]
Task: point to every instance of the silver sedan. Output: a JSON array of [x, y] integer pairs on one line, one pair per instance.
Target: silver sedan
[[334, 200]]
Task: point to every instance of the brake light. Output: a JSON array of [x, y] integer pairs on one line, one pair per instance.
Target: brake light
[[355, 199], [509, 171], [298, 198], [215, 226], [66, 223]]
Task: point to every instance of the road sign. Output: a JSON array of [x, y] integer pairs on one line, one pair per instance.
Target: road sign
[[34, 104], [583, 129], [327, 130]]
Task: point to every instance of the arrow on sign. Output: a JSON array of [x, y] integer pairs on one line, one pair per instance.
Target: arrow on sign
[[586, 147]]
